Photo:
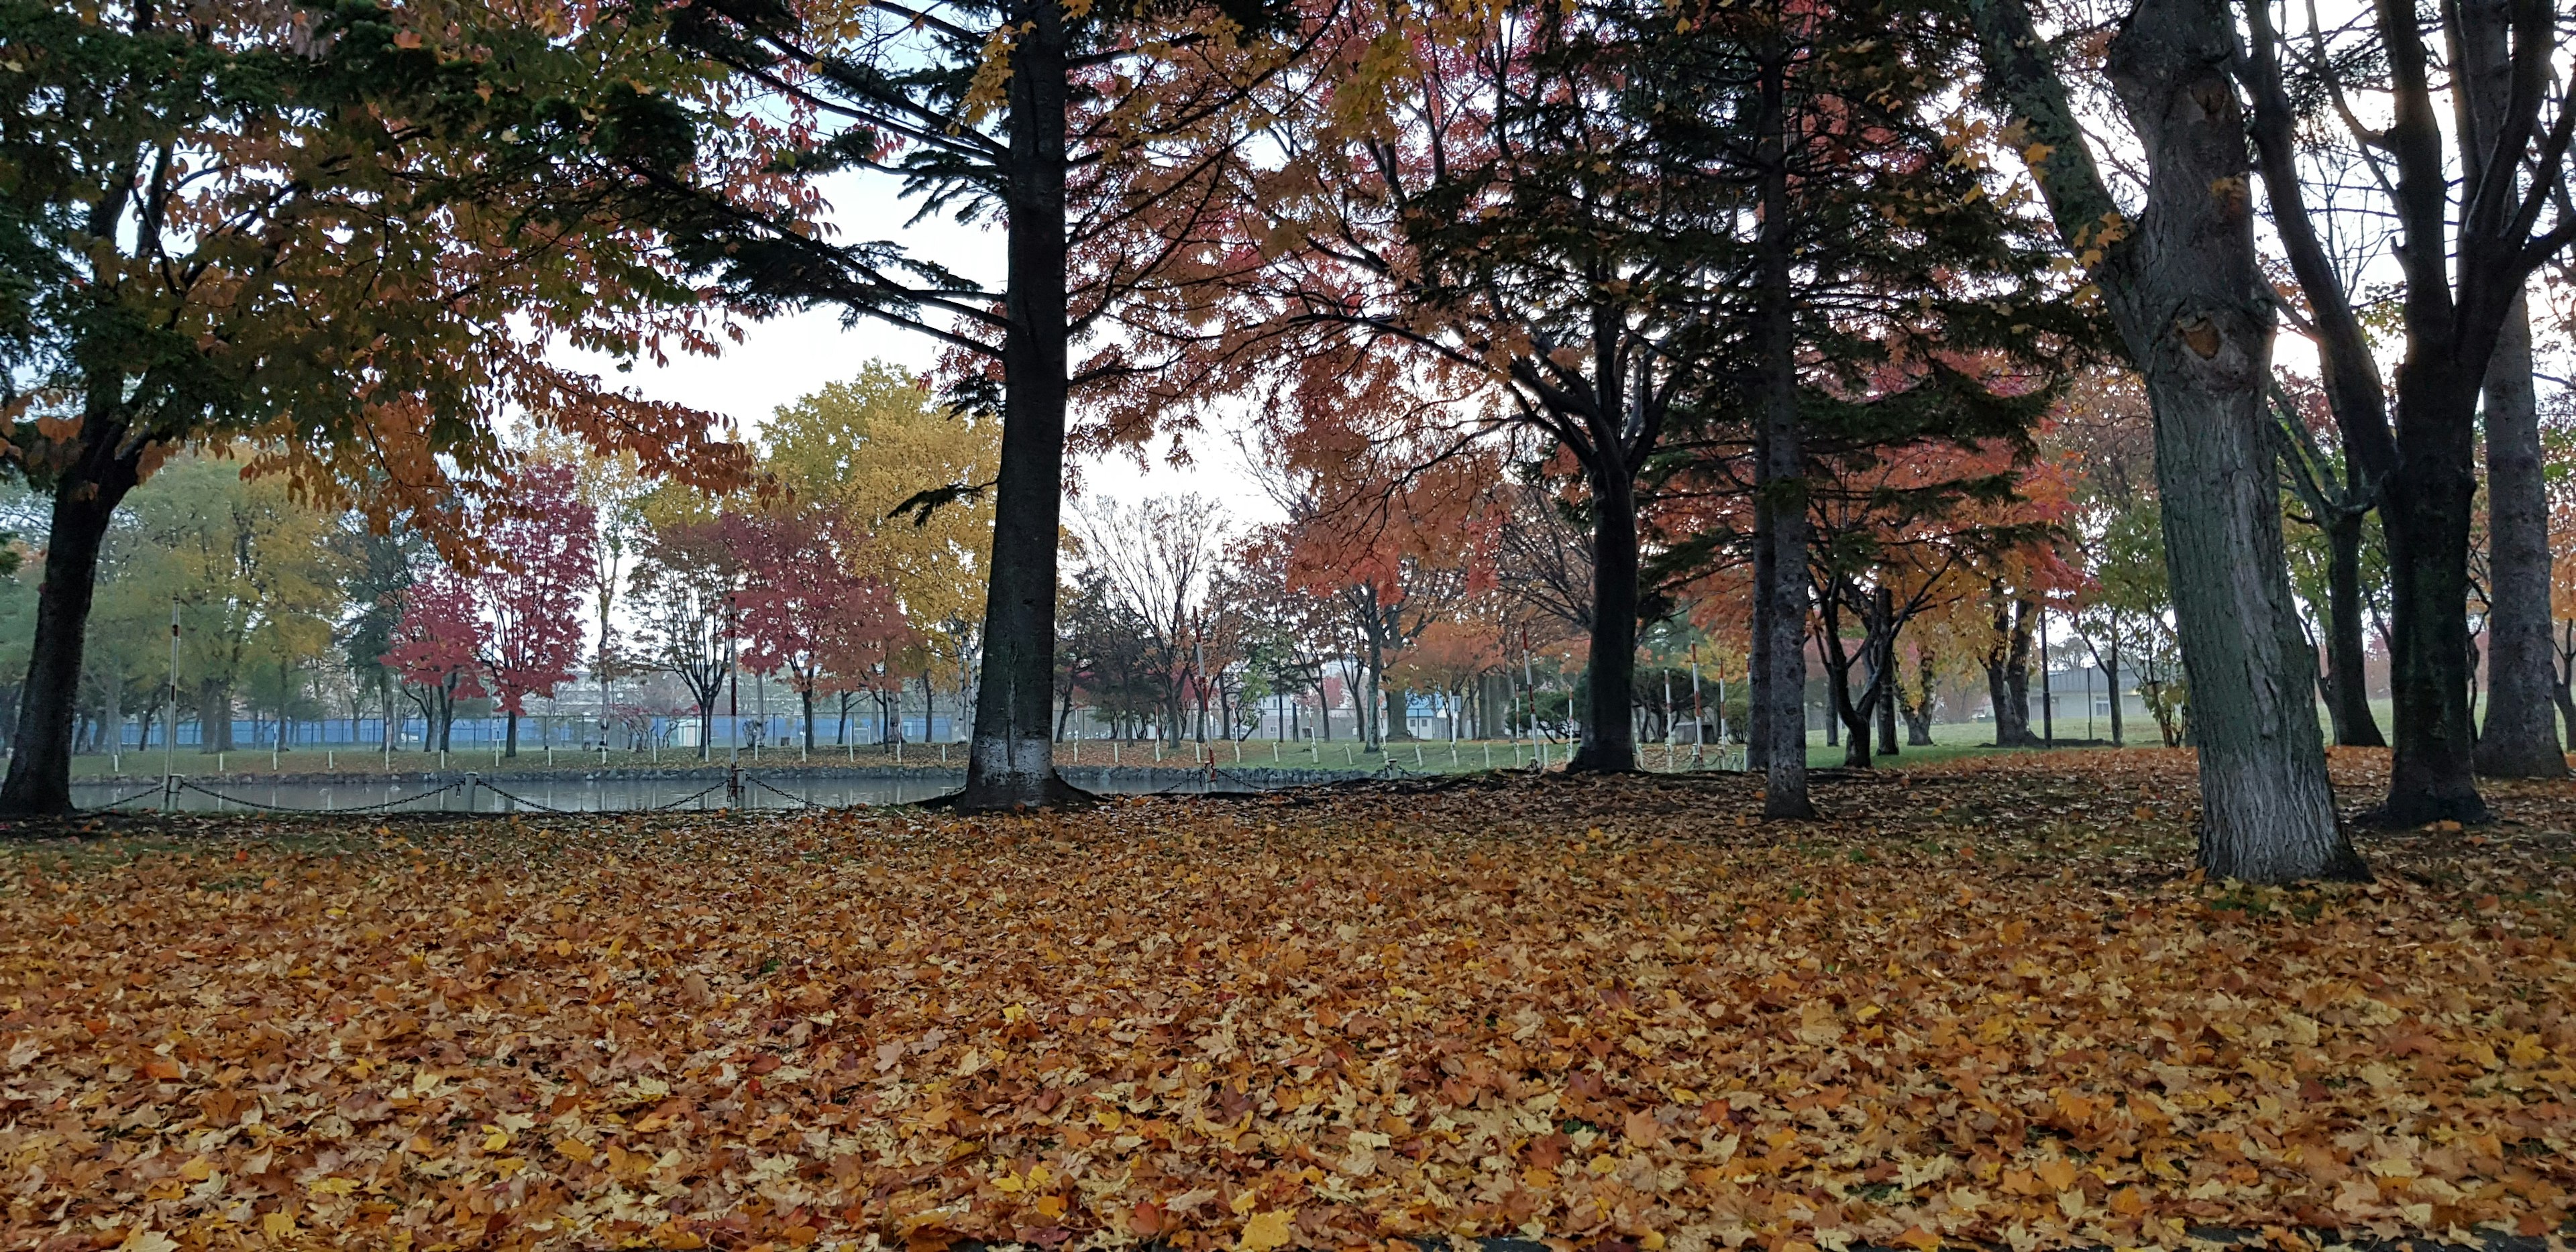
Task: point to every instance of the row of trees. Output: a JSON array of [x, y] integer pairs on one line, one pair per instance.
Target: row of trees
[[596, 569], [1710, 272]]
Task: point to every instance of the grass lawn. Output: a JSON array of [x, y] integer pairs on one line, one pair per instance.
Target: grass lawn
[[1424, 755], [1977, 1003]]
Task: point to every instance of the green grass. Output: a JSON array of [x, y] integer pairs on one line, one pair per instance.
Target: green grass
[[1950, 742]]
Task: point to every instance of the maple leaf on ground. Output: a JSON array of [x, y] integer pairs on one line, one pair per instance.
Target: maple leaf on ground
[[1978, 1003]]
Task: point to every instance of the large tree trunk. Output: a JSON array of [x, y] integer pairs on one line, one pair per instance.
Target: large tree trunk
[[2520, 738], [1918, 713], [2427, 520], [2194, 310], [39, 782], [2199, 326], [214, 716], [1609, 732], [1012, 762], [2008, 672], [510, 747], [2347, 686], [1779, 474]]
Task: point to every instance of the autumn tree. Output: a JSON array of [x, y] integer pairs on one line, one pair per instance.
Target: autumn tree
[[2180, 278], [805, 611], [437, 650], [255, 574], [1091, 133], [684, 596], [531, 600], [2479, 205], [350, 232]]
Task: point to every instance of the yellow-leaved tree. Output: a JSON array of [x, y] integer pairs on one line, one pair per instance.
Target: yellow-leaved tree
[[864, 447]]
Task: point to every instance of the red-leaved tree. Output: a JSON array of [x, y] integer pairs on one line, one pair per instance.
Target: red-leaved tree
[[532, 604], [803, 614], [437, 649]]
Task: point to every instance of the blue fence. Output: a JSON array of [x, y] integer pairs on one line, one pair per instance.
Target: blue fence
[[561, 732]]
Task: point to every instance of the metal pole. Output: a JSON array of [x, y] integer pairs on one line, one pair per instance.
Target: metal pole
[[1699, 716], [2047, 700], [170, 728], [733, 709]]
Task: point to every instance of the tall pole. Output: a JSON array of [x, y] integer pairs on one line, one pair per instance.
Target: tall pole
[[1529, 682], [733, 707], [170, 724], [1699, 722], [2047, 699]]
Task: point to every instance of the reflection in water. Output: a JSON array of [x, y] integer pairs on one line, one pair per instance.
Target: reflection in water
[[470, 794]]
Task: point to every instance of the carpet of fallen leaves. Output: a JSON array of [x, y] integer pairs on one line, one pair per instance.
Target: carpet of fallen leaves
[[1978, 1003]]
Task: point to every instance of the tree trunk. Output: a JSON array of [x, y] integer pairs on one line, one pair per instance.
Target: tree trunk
[[1842, 710], [39, 781], [1011, 764], [2017, 672], [2563, 683], [2008, 673], [2520, 737], [510, 747], [1779, 474], [2427, 521], [805, 695], [214, 716], [1918, 715], [1609, 733], [2193, 308], [1883, 671], [2111, 679], [2347, 685]]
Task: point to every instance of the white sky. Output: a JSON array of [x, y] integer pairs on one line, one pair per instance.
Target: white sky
[[792, 356]]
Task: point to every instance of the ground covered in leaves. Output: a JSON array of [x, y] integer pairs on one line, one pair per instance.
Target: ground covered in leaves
[[1976, 1004]]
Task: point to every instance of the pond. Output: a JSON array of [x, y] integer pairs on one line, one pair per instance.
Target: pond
[[573, 793]]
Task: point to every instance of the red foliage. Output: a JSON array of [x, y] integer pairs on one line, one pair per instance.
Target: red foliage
[[532, 605]]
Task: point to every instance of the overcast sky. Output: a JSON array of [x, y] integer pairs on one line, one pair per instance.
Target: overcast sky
[[788, 357]]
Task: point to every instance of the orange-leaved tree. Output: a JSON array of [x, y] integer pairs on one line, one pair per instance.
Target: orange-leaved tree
[[351, 236], [1095, 134]]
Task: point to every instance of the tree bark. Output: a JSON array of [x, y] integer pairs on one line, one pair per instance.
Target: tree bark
[[2017, 672], [1609, 734], [2520, 737], [1012, 762], [2347, 685], [2193, 308], [39, 782], [1884, 671], [1918, 715], [2008, 672], [214, 716], [2355, 396], [1779, 482]]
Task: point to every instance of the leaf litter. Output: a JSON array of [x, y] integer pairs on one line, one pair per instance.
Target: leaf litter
[[1978, 1003]]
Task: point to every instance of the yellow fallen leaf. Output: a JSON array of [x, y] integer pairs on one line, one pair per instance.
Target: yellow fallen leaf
[[2058, 1174], [278, 1225], [1267, 1231]]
